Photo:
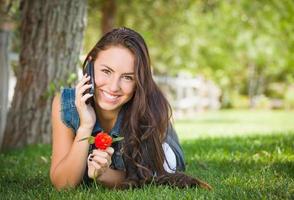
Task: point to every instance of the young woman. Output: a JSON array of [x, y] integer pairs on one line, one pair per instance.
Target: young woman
[[126, 102]]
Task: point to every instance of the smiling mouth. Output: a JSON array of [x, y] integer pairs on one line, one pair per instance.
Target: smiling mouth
[[109, 96]]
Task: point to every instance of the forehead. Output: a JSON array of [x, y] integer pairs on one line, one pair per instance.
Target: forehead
[[117, 57]]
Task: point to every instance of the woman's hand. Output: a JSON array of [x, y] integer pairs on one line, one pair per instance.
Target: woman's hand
[[99, 161], [86, 111]]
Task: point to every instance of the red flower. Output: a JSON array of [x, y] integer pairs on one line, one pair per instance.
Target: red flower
[[102, 141]]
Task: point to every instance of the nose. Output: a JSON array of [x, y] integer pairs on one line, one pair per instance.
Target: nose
[[114, 84]]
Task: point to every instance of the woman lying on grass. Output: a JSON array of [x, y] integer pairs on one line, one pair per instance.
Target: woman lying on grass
[[127, 103]]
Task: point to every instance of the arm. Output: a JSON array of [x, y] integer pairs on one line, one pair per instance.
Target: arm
[[68, 155], [111, 178]]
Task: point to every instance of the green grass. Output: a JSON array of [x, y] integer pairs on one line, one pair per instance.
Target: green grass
[[257, 165], [235, 123]]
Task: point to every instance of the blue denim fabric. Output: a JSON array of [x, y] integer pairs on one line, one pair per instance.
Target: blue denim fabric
[[70, 118]]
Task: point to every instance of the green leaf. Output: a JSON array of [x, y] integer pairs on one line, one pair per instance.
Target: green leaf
[[83, 139], [117, 139], [90, 139]]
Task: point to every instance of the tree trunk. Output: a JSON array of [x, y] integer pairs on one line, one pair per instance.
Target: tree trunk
[[51, 39], [108, 15]]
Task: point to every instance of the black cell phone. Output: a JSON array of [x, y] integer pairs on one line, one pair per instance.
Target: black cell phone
[[89, 70]]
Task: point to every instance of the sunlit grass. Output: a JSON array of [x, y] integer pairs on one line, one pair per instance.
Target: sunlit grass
[[253, 165], [234, 122]]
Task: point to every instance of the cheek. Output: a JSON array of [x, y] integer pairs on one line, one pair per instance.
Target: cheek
[[99, 81], [129, 89]]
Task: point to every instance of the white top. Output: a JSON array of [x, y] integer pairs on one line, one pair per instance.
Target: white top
[[170, 164]]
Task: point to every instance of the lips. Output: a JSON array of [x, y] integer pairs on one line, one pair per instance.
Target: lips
[[109, 97]]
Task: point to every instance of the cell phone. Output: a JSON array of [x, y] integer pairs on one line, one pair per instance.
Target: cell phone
[[89, 70]]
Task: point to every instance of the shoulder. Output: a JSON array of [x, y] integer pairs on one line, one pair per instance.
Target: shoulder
[[56, 101], [67, 98], [64, 105], [56, 106], [68, 91], [64, 99], [68, 94]]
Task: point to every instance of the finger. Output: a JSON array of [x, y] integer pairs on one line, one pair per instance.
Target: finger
[[109, 150], [90, 157], [103, 162], [100, 156], [86, 97], [82, 89], [107, 153], [85, 78], [98, 167], [99, 152], [109, 162], [79, 85], [95, 165], [80, 93], [98, 170]]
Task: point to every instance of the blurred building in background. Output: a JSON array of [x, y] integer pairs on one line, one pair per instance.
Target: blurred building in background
[[188, 95]]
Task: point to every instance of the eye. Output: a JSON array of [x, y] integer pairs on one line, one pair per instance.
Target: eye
[[106, 71], [128, 78]]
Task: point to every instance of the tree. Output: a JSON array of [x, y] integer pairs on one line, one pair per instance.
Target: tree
[[101, 18], [51, 39], [243, 46], [108, 15]]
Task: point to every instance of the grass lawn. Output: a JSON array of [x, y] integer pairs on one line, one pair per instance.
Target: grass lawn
[[257, 163], [235, 123]]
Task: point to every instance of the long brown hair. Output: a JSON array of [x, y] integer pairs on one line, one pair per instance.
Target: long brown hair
[[146, 118]]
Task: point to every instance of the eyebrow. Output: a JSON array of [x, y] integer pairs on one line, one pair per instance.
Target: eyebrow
[[109, 68]]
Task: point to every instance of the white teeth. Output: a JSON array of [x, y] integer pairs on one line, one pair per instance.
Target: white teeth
[[109, 95]]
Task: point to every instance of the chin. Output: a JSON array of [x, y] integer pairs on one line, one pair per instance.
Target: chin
[[108, 107]]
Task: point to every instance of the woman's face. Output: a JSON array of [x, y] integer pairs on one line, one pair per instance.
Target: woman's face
[[114, 78]]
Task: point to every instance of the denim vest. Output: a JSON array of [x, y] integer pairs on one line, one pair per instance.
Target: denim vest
[[70, 118]]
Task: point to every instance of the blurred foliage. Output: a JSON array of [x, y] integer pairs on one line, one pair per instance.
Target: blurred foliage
[[241, 45], [289, 98], [56, 86], [222, 40]]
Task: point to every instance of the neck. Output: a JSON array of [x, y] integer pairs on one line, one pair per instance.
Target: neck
[[107, 119]]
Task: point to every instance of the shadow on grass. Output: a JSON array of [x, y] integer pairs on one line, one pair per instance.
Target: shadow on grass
[[238, 167], [26, 183]]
